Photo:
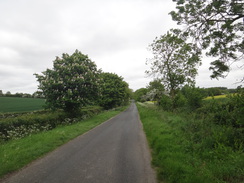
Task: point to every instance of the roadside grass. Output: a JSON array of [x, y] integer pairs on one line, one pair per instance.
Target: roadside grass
[[189, 150], [15, 154], [18, 104]]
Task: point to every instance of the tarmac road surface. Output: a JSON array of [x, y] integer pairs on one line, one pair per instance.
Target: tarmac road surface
[[114, 152]]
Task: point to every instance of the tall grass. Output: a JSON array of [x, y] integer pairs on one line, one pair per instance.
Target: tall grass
[[190, 150]]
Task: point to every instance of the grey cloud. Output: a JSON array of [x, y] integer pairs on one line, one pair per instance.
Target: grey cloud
[[114, 34]]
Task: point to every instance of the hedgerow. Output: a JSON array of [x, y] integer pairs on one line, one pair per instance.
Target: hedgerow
[[19, 126], [189, 148]]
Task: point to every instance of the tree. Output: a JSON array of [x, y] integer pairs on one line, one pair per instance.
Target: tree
[[139, 94], [8, 94], [214, 25], [214, 91], [156, 90], [193, 95], [156, 84], [113, 91], [174, 61], [71, 84], [37, 94], [18, 94]]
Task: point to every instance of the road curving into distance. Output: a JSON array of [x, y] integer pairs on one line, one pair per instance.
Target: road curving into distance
[[114, 152]]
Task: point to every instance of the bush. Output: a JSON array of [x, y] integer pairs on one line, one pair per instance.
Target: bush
[[29, 123], [228, 114], [179, 100], [166, 103], [111, 97], [186, 148], [227, 111], [193, 97], [188, 97], [20, 126]]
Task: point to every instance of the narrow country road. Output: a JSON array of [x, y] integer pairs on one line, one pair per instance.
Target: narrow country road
[[114, 152]]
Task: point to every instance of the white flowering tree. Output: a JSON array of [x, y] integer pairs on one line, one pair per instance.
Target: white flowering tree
[[71, 84]]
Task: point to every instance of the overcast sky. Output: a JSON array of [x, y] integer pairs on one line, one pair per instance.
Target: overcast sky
[[113, 33]]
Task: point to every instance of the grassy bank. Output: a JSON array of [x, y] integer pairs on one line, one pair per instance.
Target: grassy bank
[[15, 154], [189, 150], [18, 104]]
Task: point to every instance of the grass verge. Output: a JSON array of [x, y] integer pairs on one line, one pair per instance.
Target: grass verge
[[15, 154], [188, 150]]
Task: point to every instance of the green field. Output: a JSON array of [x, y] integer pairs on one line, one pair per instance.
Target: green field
[[15, 104]]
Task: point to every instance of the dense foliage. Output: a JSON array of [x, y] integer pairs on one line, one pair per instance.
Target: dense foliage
[[139, 95], [155, 90], [216, 26], [190, 148], [174, 61], [205, 134], [113, 91], [19, 125], [75, 82], [71, 84], [197, 139]]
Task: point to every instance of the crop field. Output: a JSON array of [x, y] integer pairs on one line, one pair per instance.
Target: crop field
[[216, 97], [15, 104]]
